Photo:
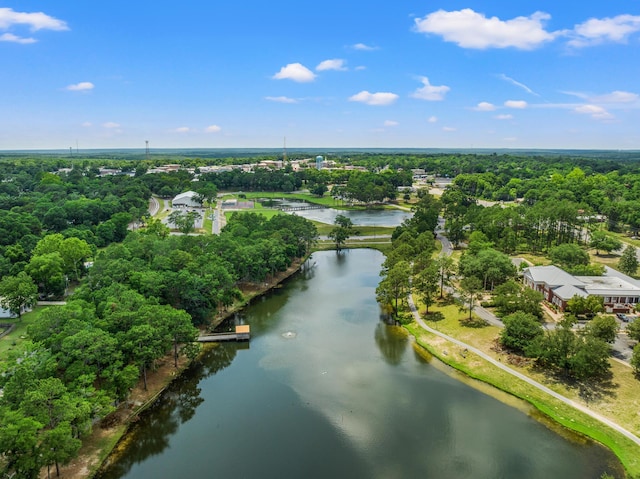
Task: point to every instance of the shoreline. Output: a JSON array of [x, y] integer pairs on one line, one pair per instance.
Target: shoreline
[[562, 415], [102, 443]]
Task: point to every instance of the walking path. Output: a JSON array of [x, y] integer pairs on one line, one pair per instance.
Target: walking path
[[521, 376]]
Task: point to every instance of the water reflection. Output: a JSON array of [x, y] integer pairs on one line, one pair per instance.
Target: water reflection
[[344, 397]]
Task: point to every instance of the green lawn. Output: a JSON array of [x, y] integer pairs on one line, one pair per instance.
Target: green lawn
[[19, 334]]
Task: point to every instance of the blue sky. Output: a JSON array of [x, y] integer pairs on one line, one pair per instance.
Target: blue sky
[[414, 74]]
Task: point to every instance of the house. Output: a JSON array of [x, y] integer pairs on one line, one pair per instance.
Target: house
[[620, 293], [188, 199], [5, 313]]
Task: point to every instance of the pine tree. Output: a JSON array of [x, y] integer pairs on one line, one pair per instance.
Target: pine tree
[[628, 263]]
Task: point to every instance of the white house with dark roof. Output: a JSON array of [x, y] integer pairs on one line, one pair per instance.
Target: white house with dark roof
[[619, 292]]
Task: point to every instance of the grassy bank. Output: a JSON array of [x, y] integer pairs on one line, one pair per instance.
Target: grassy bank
[[617, 399]]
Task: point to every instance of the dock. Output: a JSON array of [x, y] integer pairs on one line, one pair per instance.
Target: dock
[[241, 333], [302, 208]]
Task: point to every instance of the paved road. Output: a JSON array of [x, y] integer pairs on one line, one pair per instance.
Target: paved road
[[154, 206], [521, 376]]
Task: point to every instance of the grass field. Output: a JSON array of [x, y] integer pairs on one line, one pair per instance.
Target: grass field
[[19, 335]]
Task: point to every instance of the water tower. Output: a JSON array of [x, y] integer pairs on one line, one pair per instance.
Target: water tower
[[319, 161]]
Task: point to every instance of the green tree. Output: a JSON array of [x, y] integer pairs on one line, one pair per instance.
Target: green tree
[[633, 330], [602, 241], [47, 270], [603, 327], [635, 358], [59, 446], [184, 221], [18, 292], [568, 255], [20, 444], [470, 291], [520, 330], [426, 283], [510, 297], [628, 263], [589, 305], [394, 286], [341, 232], [446, 268]]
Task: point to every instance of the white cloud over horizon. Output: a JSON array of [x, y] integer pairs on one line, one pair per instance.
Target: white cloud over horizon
[[470, 29], [10, 37], [374, 99], [111, 125], [82, 86], [484, 106], [390, 123], [430, 92], [596, 31], [35, 21], [296, 72], [213, 129], [518, 104], [332, 64], [594, 111], [281, 99], [363, 47]]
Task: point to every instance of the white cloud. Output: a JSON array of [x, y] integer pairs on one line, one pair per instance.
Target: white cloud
[[594, 111], [504, 77], [87, 124], [484, 106], [296, 72], [504, 117], [10, 37], [111, 125], [213, 129], [333, 64], [182, 129], [281, 99], [432, 119], [360, 67], [375, 99], [448, 128], [35, 21], [519, 104], [616, 97], [82, 86], [363, 47], [391, 123], [430, 92], [596, 31], [470, 29]]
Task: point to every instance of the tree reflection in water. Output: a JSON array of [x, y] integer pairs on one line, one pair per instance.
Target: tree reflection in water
[[177, 405]]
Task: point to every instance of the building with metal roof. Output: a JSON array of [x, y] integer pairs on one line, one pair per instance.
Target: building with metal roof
[[620, 292]]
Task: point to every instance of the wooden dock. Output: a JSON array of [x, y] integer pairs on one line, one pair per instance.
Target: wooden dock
[[303, 208], [242, 333]]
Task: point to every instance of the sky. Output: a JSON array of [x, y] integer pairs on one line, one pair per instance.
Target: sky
[[339, 74]]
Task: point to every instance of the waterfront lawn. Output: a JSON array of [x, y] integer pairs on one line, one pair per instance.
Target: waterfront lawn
[[15, 338], [473, 366], [616, 397]]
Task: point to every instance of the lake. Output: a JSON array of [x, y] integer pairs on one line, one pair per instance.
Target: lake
[[325, 389]]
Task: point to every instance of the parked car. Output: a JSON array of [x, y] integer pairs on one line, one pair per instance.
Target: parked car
[[622, 317]]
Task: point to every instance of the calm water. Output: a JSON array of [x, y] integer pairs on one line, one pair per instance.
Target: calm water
[[325, 390], [358, 217]]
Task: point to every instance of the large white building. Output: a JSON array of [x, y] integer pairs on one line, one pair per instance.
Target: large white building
[[188, 199], [619, 292]]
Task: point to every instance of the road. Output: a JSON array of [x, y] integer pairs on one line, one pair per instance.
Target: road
[[521, 376]]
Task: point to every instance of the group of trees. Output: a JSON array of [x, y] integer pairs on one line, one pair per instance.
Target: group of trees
[[141, 299], [580, 354]]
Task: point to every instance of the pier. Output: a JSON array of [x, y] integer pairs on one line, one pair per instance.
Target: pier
[[303, 208], [241, 333]]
